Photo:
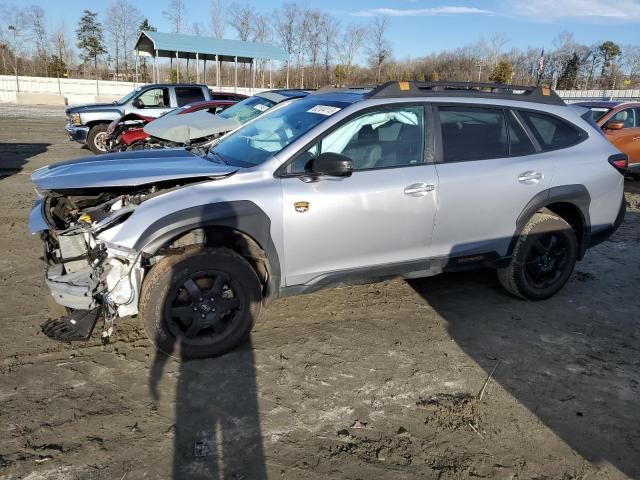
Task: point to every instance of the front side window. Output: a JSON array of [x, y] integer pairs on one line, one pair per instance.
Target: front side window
[[388, 137], [154, 98], [265, 136], [551, 132], [473, 133], [186, 95], [628, 117]]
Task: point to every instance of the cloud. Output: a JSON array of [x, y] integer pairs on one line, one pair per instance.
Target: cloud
[[422, 12], [597, 11]]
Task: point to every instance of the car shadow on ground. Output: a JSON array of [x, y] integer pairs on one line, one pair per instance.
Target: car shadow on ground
[[571, 360], [13, 156], [217, 426]]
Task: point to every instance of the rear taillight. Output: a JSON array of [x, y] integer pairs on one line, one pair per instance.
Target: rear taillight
[[620, 162]]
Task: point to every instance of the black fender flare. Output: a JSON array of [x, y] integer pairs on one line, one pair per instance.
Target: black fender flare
[[241, 215], [574, 194]]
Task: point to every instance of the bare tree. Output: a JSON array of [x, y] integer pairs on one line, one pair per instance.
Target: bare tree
[[36, 22], [314, 42], [218, 13], [242, 20], [13, 33], [286, 23], [352, 39], [176, 15], [122, 22], [379, 49], [303, 34], [60, 44], [261, 32], [330, 32]]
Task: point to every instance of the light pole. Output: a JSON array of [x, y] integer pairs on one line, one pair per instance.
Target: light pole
[[479, 64], [14, 31]]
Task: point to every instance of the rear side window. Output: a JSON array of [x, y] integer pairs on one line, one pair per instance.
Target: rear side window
[[551, 132], [473, 133], [186, 95]]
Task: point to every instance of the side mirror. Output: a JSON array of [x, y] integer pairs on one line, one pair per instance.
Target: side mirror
[[138, 103], [614, 125], [332, 165]]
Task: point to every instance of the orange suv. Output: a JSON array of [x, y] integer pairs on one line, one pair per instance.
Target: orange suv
[[620, 122]]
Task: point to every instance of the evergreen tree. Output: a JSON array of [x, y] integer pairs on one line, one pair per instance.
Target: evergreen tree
[[502, 72], [569, 76], [145, 26], [90, 38]]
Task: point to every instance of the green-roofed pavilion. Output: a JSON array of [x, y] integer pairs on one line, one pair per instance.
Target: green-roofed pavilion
[[192, 47]]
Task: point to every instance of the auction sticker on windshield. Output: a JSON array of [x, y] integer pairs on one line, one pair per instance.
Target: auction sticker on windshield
[[260, 107], [323, 110]]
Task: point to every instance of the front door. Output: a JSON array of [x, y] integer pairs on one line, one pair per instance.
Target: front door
[[151, 103], [381, 216]]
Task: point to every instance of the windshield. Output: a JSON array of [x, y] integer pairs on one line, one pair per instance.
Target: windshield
[[261, 139], [247, 109], [129, 96], [598, 112]]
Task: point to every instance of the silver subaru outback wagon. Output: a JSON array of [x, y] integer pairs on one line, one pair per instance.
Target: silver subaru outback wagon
[[347, 186]]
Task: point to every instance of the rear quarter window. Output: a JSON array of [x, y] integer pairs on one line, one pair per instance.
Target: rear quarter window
[[551, 132]]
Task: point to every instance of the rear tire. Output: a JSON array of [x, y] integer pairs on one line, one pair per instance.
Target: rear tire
[[200, 303], [96, 140], [543, 258]]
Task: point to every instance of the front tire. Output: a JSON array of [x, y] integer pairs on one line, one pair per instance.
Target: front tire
[[97, 139], [200, 303], [543, 258]]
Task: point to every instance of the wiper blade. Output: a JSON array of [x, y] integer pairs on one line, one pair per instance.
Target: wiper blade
[[219, 157]]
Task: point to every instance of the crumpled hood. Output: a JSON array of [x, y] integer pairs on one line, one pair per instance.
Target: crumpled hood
[[125, 169], [189, 126]]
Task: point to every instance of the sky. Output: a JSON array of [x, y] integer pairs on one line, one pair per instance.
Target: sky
[[419, 27]]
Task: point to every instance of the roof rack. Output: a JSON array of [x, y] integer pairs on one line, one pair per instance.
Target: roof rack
[[331, 89], [467, 89]]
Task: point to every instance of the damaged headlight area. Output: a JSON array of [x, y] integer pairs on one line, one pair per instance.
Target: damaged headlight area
[[89, 277]]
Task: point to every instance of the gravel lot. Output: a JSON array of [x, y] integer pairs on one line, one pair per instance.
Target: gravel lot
[[376, 381]]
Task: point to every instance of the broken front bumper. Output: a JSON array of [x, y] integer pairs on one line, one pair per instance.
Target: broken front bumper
[[77, 133]]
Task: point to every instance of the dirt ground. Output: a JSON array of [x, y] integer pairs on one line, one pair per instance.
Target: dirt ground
[[367, 382]]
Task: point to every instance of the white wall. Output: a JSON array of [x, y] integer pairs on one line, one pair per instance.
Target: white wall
[[78, 91]]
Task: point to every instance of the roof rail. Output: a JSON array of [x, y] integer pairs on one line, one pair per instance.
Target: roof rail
[[331, 89], [467, 89]]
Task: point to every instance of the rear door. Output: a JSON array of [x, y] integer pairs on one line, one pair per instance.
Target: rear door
[[489, 169], [626, 140]]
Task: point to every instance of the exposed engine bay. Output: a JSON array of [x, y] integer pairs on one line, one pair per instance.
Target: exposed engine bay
[[85, 274]]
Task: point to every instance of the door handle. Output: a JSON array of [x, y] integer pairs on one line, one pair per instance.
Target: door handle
[[530, 177], [418, 189]]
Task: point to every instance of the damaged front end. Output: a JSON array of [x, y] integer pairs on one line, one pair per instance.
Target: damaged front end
[[85, 274], [83, 204]]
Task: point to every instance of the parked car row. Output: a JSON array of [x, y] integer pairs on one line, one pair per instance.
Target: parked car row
[[409, 179], [89, 123], [620, 122]]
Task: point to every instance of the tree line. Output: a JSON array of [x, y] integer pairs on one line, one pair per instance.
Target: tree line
[[321, 49]]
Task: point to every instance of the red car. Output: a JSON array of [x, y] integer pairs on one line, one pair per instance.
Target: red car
[[131, 132]]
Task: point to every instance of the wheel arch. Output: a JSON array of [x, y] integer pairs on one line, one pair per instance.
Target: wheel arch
[[569, 202], [239, 225]]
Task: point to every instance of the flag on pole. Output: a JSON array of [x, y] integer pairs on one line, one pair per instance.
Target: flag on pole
[[541, 64]]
